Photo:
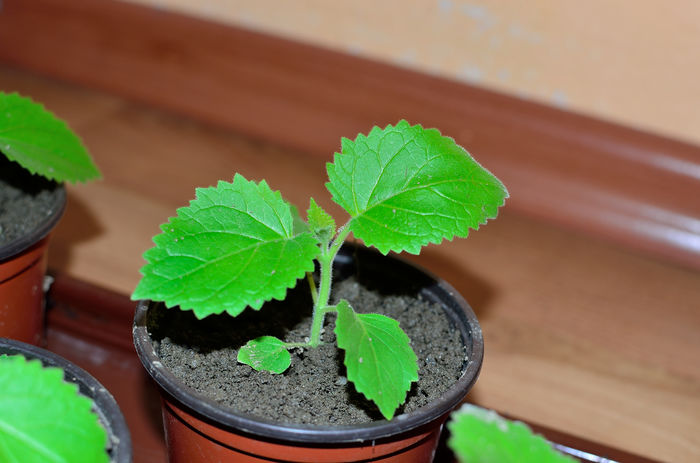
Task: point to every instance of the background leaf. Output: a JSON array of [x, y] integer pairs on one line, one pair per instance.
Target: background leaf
[[236, 245], [265, 353], [43, 419], [406, 186], [378, 357], [42, 143], [478, 435]]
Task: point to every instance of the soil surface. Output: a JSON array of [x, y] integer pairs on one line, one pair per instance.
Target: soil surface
[[26, 200], [314, 389]]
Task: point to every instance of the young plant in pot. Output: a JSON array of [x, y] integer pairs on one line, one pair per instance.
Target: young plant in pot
[[38, 153], [240, 244], [53, 411]]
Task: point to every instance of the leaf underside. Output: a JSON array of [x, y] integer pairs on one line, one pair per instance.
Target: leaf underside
[[43, 419], [378, 357], [41, 143], [481, 436], [266, 353], [405, 187], [237, 244]]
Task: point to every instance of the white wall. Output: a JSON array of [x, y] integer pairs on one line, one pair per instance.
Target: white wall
[[632, 61]]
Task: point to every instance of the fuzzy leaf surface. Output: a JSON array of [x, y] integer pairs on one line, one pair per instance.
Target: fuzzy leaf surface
[[320, 221], [266, 353], [378, 357], [43, 419], [236, 245], [478, 435], [42, 143], [405, 187]]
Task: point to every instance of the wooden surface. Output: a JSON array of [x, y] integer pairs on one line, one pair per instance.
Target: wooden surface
[[635, 189], [580, 335]]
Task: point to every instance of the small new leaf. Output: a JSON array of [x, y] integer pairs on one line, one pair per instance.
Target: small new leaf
[[41, 143], [43, 418], [405, 187], [266, 353], [321, 223], [478, 435], [378, 357], [236, 245]]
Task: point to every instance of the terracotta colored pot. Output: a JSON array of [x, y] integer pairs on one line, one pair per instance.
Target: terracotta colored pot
[[108, 412], [22, 271], [197, 430]]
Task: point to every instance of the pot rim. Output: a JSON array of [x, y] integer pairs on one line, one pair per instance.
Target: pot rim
[[106, 406], [210, 411], [16, 246]]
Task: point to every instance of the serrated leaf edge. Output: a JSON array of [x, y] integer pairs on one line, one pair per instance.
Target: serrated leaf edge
[[356, 215], [183, 213], [69, 390], [344, 305]]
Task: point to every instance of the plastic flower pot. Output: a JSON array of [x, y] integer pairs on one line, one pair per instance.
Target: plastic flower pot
[[198, 430], [22, 269], [106, 408]]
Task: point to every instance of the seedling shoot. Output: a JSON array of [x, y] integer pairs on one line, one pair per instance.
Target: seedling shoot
[[240, 244]]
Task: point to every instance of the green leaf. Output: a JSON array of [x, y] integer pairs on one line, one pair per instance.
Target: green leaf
[[42, 143], [378, 357], [235, 245], [266, 353], [406, 186], [43, 419], [482, 436], [320, 221]]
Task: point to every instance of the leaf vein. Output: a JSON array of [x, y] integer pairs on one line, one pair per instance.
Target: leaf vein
[[29, 441], [210, 262]]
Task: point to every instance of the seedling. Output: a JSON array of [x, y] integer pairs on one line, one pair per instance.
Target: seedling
[[478, 435], [240, 244], [43, 418], [42, 143]]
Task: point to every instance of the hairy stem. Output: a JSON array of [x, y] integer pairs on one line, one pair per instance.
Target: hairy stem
[[324, 286]]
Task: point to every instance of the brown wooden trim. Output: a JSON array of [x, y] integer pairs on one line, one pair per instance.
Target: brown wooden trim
[[636, 189], [90, 313]]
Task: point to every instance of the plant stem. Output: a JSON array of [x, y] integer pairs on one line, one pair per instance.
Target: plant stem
[[324, 287], [292, 345]]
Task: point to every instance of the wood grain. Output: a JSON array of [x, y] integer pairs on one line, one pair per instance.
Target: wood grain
[[580, 335], [634, 189]]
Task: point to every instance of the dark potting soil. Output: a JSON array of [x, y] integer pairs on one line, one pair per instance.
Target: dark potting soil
[[314, 389], [26, 201]]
